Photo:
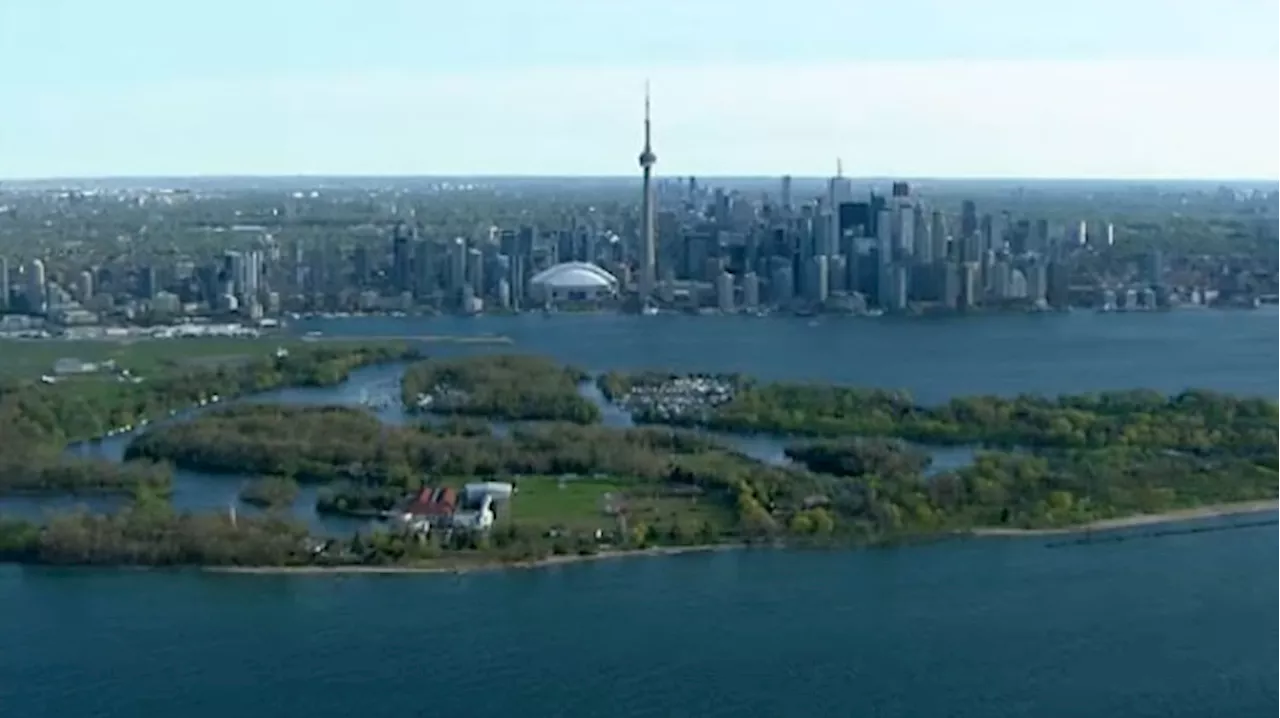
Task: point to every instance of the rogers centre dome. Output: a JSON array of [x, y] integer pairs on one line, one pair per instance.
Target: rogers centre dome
[[573, 281]]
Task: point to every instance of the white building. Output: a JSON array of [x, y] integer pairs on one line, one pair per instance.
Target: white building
[[479, 519], [496, 490], [36, 297], [574, 282], [724, 292], [750, 290]]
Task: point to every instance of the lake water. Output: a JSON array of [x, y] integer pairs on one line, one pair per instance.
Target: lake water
[[1176, 626], [934, 358]]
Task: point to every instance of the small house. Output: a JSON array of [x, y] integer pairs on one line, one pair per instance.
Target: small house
[[432, 506]]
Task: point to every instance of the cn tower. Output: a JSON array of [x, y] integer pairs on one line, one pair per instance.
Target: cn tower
[[647, 249]]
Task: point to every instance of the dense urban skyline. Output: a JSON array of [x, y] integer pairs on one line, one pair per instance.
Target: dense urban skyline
[[1146, 90]]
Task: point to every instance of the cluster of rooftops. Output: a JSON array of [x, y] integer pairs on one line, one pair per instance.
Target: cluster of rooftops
[[473, 507]]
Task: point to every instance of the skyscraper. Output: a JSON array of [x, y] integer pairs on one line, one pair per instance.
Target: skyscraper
[[648, 249], [968, 219], [233, 271], [457, 266], [839, 191], [724, 292], [425, 272], [401, 262], [36, 286], [938, 236]]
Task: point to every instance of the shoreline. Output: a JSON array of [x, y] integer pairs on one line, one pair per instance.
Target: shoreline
[[1138, 520], [474, 567], [444, 566], [496, 339]]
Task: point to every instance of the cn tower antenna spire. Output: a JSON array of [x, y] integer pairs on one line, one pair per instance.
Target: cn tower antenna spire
[[647, 123], [648, 251]]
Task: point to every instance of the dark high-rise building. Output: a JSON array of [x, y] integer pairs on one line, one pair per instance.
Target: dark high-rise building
[[1155, 268], [697, 249], [507, 243], [587, 244], [401, 260], [426, 269], [516, 279], [968, 219], [1058, 278], [206, 279], [362, 267], [4, 284], [1020, 236], [855, 215], [878, 204], [566, 251], [524, 242], [1039, 241], [147, 282]]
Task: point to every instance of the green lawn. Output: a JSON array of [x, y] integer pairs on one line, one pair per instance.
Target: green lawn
[[580, 505], [547, 502], [29, 358]]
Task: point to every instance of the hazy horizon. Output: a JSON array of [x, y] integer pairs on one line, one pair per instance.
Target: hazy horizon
[[1147, 90], [635, 178]]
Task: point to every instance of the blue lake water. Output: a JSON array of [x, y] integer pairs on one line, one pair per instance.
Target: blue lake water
[[935, 359], [1175, 626]]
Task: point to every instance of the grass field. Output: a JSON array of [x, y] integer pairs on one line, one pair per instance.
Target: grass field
[[581, 504], [29, 358]]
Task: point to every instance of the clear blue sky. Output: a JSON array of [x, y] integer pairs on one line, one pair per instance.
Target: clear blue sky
[[1085, 88]]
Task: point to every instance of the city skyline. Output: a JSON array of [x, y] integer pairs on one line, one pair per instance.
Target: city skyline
[[1151, 90]]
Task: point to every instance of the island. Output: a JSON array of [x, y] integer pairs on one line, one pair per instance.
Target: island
[[504, 387], [505, 469]]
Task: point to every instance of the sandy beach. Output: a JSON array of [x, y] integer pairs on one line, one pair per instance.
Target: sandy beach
[[1201, 512], [443, 567]]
